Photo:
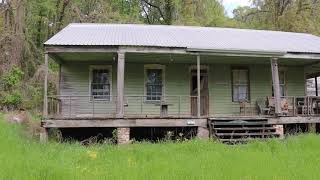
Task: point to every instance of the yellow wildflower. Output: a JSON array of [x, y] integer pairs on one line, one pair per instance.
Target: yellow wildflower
[[92, 154], [131, 162]]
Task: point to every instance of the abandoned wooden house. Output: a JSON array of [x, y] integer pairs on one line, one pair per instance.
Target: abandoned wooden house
[[226, 83]]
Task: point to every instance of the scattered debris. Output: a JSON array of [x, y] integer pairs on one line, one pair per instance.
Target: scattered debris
[[32, 128], [18, 117]]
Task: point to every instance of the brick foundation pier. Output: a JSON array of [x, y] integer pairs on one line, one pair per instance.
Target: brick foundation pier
[[123, 135]]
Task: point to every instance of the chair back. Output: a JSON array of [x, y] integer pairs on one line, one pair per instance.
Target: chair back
[[242, 103], [261, 103], [271, 102], [284, 104]]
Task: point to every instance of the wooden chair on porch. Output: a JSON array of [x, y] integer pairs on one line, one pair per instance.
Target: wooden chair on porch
[[271, 105], [306, 106], [243, 105], [286, 108], [262, 108]]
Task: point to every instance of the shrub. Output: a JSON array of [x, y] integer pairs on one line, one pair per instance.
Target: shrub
[[32, 97], [11, 100], [12, 79], [10, 95]]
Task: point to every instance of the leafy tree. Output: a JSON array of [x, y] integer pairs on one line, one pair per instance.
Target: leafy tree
[[184, 12], [284, 15]]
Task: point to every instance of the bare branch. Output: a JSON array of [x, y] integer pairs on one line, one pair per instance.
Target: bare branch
[[246, 16], [147, 16], [156, 7]]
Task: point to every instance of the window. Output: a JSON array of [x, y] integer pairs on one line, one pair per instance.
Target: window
[[312, 86], [240, 85], [154, 83], [282, 83], [100, 82]]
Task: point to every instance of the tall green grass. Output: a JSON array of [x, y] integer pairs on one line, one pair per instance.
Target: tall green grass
[[22, 158]]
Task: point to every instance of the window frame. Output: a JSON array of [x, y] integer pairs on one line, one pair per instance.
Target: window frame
[[248, 80], [100, 67], [153, 66]]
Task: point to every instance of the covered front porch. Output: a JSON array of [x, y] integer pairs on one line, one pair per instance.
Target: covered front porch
[[231, 85]]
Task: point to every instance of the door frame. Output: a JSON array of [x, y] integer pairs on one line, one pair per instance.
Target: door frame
[[202, 67]]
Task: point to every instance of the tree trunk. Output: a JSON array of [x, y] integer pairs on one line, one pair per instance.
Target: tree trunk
[[168, 12], [62, 13]]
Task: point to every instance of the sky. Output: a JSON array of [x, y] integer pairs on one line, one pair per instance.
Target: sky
[[230, 5]]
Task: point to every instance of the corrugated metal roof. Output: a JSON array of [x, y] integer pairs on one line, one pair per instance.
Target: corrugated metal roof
[[207, 38]]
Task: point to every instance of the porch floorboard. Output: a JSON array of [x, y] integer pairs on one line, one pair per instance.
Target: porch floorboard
[[161, 122]]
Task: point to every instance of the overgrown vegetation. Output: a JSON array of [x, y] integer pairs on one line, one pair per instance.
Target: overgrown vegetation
[[26, 24], [23, 158], [11, 97], [17, 94]]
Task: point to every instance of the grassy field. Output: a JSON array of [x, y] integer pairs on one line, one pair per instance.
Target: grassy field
[[22, 158]]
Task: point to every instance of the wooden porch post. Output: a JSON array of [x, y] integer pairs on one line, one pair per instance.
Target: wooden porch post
[[120, 85], [316, 84], [45, 98], [198, 87], [276, 85]]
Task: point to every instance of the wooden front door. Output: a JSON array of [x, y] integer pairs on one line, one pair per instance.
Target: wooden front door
[[204, 93]]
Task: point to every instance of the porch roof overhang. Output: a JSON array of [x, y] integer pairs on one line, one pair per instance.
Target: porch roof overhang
[[176, 50], [61, 53], [188, 40]]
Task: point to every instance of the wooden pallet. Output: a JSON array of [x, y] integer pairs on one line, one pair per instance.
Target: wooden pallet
[[233, 131]]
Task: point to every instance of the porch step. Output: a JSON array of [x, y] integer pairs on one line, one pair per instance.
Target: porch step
[[233, 131], [237, 141], [246, 134], [246, 128]]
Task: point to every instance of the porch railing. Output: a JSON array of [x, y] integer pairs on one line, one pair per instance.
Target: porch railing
[[294, 106], [175, 106], [81, 106], [301, 106], [76, 106]]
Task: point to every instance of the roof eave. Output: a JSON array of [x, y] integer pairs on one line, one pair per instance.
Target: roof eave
[[238, 52], [302, 56], [256, 53]]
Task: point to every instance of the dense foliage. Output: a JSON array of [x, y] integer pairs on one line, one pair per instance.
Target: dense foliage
[[10, 96], [284, 15], [26, 24]]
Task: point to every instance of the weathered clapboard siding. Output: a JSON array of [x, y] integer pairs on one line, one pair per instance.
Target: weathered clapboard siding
[[220, 89], [75, 81], [260, 86], [176, 83], [134, 85], [260, 83], [295, 81]]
